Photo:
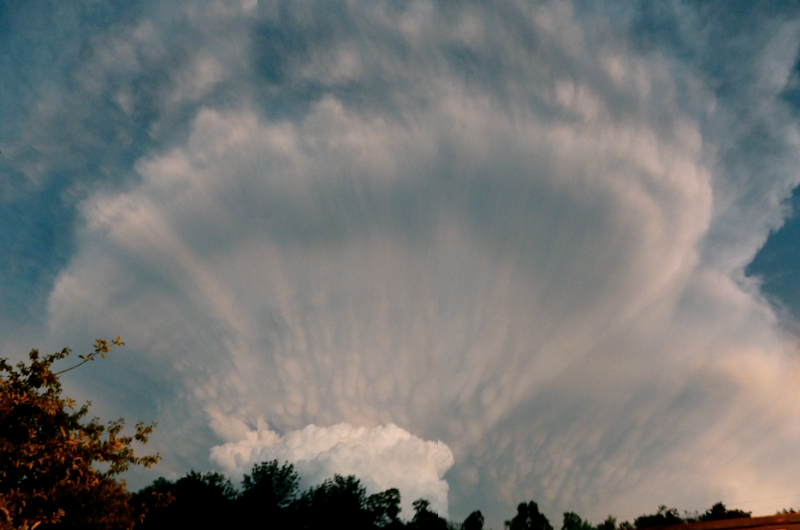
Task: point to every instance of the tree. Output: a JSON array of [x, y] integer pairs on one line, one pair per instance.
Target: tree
[[572, 521], [719, 512], [611, 524], [663, 517], [426, 519], [340, 502], [528, 518], [198, 500], [48, 450], [385, 508], [474, 521], [273, 486], [268, 492]]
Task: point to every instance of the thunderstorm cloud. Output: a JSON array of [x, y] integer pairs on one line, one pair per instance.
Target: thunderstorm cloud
[[482, 252], [382, 458]]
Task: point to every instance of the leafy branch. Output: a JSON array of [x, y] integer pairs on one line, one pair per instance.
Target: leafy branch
[[101, 347]]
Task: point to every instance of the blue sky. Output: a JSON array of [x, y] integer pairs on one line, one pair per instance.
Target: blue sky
[[532, 250]]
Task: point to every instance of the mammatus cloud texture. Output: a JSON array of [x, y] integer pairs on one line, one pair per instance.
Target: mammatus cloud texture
[[517, 228], [382, 458]]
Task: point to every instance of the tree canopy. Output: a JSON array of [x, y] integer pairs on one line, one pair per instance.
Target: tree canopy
[[270, 497], [196, 500], [528, 518], [48, 452], [572, 521], [663, 517], [474, 521], [669, 516], [718, 512]]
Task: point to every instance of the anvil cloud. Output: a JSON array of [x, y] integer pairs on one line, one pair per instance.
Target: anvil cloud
[[511, 233]]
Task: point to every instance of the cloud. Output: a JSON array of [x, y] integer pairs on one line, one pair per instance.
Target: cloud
[[384, 457], [518, 229]]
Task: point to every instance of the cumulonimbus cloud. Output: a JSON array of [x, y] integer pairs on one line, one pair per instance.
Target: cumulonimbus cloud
[[382, 458], [509, 229]]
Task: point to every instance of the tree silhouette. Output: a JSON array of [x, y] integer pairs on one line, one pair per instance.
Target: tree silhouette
[[268, 492], [572, 521], [718, 512], [384, 508], [341, 500], [474, 521], [198, 500], [528, 518], [663, 517], [610, 524], [424, 518], [273, 485], [47, 452]]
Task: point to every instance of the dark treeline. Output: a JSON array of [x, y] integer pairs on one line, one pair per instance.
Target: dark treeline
[[270, 497]]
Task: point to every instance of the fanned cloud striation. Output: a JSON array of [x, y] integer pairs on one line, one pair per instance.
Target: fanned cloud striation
[[388, 238]]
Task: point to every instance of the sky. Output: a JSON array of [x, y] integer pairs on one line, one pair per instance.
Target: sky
[[485, 252]]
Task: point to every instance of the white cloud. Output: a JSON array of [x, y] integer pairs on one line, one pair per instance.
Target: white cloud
[[195, 83], [382, 458], [530, 249]]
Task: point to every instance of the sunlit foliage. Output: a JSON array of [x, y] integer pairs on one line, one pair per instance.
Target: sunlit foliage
[[49, 452]]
